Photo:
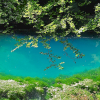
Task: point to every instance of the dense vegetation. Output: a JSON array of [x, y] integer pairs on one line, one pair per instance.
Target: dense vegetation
[[85, 83]]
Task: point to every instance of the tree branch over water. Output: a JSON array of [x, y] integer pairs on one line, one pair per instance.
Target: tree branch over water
[[64, 15]]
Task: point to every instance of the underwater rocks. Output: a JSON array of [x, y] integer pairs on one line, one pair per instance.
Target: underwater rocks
[[84, 90], [13, 90], [70, 93]]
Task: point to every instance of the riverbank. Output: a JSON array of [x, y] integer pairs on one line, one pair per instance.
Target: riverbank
[[84, 85]]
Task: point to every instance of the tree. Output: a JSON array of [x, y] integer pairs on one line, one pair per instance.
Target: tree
[[64, 15]]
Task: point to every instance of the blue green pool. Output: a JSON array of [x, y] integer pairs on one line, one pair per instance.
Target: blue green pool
[[29, 62]]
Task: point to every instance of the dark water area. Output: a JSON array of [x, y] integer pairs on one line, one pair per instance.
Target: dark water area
[[89, 33], [29, 62]]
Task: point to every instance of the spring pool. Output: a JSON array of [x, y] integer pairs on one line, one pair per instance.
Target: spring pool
[[29, 62]]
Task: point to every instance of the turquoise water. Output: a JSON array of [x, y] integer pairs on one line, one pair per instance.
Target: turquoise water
[[29, 62]]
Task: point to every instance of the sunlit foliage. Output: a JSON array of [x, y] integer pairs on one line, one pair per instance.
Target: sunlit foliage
[[67, 11]]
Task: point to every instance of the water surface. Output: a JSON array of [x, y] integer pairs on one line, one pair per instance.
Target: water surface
[[29, 62]]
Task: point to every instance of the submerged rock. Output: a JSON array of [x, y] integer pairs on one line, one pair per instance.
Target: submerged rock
[[69, 93], [13, 90], [84, 90]]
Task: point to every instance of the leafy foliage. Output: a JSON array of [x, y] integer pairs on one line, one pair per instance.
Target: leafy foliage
[[66, 17]]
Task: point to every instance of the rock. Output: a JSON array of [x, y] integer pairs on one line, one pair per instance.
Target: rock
[[16, 90], [75, 91]]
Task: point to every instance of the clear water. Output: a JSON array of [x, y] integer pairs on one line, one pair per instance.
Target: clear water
[[29, 62]]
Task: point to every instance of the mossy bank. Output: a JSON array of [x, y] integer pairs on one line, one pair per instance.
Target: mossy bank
[[83, 86]]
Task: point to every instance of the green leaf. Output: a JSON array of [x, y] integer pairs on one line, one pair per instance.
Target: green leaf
[[5, 31], [83, 55], [56, 39], [65, 48], [35, 45], [78, 35], [28, 44], [61, 68], [59, 57], [62, 62], [76, 55]]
